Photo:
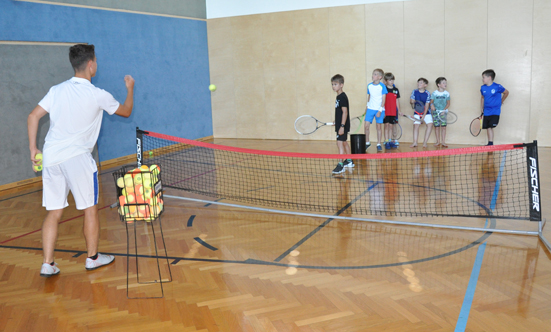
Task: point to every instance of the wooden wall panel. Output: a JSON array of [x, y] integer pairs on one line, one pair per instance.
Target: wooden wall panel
[[248, 60], [313, 75], [540, 94], [224, 120], [510, 55], [271, 68], [347, 54], [465, 60], [278, 43]]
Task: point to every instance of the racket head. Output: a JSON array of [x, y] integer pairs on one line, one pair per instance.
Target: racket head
[[356, 124], [476, 126], [451, 117], [419, 107], [396, 131], [306, 124]]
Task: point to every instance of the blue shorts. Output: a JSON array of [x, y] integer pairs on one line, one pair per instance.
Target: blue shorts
[[370, 114]]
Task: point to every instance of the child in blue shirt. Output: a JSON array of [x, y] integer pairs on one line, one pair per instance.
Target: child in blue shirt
[[420, 101], [493, 96]]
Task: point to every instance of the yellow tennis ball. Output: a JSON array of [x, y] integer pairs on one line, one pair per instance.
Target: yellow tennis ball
[[120, 182], [130, 198], [38, 157], [128, 181], [212, 87], [144, 168]]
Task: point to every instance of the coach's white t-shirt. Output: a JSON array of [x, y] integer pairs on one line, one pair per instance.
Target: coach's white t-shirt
[[76, 109]]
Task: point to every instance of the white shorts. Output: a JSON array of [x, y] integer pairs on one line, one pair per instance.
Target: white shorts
[[78, 174], [427, 119]]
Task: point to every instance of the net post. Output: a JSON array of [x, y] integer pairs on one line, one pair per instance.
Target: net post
[[534, 192], [139, 146]]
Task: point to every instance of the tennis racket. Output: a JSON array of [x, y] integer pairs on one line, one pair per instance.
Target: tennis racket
[[356, 124], [411, 118], [307, 124], [447, 117], [396, 131], [419, 107], [476, 126]]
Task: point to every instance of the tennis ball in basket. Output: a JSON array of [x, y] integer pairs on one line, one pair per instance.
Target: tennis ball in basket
[[212, 87], [138, 178], [128, 181], [120, 182], [130, 198], [144, 168]]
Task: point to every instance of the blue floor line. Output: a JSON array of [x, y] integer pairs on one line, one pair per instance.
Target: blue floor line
[[461, 324]]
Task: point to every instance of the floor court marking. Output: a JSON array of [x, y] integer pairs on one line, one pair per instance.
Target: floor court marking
[[317, 229], [37, 230], [461, 324]]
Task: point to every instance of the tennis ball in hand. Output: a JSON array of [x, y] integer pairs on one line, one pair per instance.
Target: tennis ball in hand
[[212, 87], [38, 168]]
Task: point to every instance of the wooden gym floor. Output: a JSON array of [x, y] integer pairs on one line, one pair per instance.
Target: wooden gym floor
[[360, 276]]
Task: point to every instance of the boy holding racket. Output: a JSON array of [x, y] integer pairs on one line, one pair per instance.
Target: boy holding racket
[[342, 123], [76, 109], [375, 109], [493, 96], [439, 103], [392, 106], [420, 101]]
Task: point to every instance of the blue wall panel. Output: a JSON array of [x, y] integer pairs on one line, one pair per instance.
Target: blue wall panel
[[168, 58]]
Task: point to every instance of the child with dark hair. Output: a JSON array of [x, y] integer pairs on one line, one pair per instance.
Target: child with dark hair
[[76, 109], [493, 96], [420, 101], [439, 103]]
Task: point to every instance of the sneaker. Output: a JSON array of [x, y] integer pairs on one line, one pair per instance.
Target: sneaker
[[396, 143], [387, 145], [339, 169], [92, 264], [379, 148], [367, 145], [348, 163], [392, 145], [49, 270]]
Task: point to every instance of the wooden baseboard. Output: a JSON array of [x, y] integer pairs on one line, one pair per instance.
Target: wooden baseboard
[[36, 182]]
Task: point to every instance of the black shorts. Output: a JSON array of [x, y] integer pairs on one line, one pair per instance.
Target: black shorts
[[490, 121], [342, 138], [390, 119]]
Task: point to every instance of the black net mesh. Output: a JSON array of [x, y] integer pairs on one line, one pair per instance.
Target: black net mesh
[[470, 182]]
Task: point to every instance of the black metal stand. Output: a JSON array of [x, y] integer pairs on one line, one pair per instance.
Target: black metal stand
[[141, 201], [160, 281]]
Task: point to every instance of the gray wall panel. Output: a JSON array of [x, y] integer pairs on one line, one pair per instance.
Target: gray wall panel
[[26, 74], [186, 8]]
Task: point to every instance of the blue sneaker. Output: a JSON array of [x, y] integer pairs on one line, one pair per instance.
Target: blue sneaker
[[387, 145], [379, 148], [367, 145], [392, 145]]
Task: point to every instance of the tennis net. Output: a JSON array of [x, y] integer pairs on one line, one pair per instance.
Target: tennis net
[[488, 181]]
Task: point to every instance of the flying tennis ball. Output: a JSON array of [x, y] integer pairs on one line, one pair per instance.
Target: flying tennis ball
[[212, 87], [150, 153]]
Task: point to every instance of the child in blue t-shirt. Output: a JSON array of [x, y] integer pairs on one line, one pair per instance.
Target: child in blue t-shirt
[[493, 96]]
